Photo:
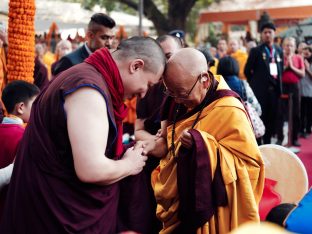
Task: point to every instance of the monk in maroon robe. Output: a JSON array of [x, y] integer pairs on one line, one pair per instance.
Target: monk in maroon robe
[[66, 173]]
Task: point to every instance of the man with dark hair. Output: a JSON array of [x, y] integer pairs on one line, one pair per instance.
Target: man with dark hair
[[221, 49], [99, 35], [180, 35], [263, 70], [148, 122], [148, 108], [70, 161]]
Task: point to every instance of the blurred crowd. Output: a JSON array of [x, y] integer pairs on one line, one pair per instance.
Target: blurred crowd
[[273, 79]]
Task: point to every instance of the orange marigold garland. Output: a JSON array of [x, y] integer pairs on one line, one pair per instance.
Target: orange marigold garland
[[21, 35]]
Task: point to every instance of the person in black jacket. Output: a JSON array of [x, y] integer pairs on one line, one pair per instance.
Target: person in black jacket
[[99, 35], [263, 70]]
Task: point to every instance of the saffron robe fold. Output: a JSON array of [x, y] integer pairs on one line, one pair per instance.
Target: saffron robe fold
[[241, 57], [225, 129]]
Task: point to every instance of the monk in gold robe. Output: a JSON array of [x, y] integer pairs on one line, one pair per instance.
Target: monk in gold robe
[[211, 180], [239, 55]]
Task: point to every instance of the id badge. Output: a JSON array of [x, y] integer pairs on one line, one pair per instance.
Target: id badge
[[273, 69]]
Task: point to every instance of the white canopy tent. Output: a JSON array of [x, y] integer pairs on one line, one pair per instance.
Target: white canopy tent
[[71, 17]]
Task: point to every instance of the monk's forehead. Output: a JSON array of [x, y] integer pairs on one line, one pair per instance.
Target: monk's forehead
[[178, 77]]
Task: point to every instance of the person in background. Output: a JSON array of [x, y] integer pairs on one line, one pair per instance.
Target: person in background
[[75, 45], [263, 70], [63, 48], [213, 51], [212, 62], [228, 68], [239, 55], [294, 70], [48, 57], [148, 108], [40, 72], [17, 97], [306, 94], [99, 35], [300, 48], [180, 35], [250, 45], [221, 49]]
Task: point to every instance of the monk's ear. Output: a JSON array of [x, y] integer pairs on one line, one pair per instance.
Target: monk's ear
[[204, 77], [136, 65], [205, 80]]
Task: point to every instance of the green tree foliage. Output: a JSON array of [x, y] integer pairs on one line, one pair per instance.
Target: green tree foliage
[[165, 14]]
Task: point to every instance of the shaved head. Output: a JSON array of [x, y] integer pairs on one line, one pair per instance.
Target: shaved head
[[145, 48], [186, 76], [233, 45], [183, 64]]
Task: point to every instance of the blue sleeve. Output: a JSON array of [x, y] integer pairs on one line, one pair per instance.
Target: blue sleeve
[[300, 219]]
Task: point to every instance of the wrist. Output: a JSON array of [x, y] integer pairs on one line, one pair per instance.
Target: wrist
[[124, 166]]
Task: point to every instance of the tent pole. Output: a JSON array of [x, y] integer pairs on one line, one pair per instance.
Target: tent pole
[[141, 7]]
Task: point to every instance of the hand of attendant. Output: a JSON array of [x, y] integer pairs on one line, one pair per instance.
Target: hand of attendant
[[186, 139], [156, 147], [135, 159], [159, 133]]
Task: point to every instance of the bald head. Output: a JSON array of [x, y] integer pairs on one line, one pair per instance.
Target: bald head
[[186, 77], [233, 45], [185, 63]]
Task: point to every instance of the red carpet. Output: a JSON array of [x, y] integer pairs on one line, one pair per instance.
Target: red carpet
[[305, 155]]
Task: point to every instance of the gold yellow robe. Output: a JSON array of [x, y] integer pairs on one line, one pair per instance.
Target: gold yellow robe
[[48, 60], [131, 116], [241, 57], [224, 127], [213, 69]]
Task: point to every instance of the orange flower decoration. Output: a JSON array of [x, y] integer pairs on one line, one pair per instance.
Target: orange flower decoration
[[21, 35]]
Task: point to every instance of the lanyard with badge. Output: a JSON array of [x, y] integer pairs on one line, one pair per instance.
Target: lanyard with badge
[[272, 65]]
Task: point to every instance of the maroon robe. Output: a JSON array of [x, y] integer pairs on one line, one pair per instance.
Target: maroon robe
[[40, 74], [45, 194]]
